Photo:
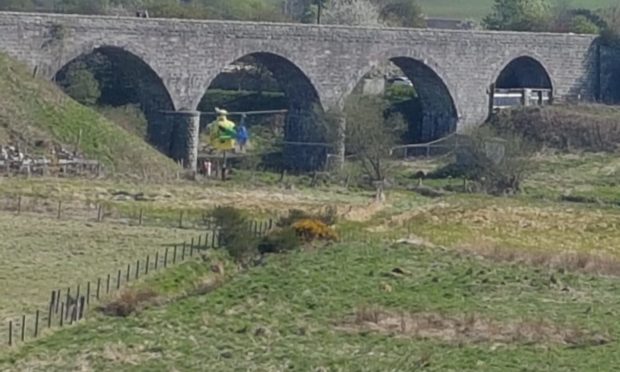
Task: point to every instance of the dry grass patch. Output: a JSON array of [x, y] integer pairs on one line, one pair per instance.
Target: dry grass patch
[[568, 261], [513, 224], [467, 328]]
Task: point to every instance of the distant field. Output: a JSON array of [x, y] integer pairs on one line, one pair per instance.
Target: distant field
[[477, 9]]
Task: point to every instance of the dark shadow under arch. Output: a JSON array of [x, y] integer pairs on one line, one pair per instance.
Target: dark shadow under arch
[[304, 121], [524, 72], [125, 78], [437, 116]]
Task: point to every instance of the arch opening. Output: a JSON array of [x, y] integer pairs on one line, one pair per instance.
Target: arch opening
[[413, 90], [292, 135], [524, 72], [610, 90], [123, 88]]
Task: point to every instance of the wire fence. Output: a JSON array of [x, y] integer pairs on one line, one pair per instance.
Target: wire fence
[[70, 305], [115, 211]]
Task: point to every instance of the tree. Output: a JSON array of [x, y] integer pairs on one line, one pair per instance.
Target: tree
[[610, 33], [352, 12], [402, 13], [519, 15], [369, 136], [320, 4], [580, 24], [80, 84]]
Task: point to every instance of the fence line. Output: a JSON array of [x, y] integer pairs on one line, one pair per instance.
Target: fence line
[[46, 167], [70, 305], [103, 210]]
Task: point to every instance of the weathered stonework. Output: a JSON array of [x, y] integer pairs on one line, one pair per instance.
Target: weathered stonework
[[188, 55]]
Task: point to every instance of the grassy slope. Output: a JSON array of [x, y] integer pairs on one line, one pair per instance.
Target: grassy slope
[[33, 109], [477, 9], [284, 316]]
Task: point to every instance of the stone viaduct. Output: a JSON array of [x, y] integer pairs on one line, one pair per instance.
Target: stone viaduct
[[315, 65]]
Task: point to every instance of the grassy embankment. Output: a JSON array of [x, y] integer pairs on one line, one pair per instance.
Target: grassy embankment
[[36, 114]]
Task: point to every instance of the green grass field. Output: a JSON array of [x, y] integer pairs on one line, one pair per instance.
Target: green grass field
[[345, 308], [40, 254], [477, 9]]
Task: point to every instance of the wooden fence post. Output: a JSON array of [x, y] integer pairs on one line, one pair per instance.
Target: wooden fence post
[[181, 220], [118, 280], [68, 297], [51, 309], [107, 285], [137, 269], [59, 208], [128, 270], [88, 293], [156, 260], [62, 313], [166, 257], [19, 204], [146, 268], [57, 301], [36, 324], [174, 255], [23, 326], [141, 216], [183, 252], [98, 288], [81, 313], [10, 333]]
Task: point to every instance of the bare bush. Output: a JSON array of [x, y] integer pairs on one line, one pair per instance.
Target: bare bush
[[129, 301], [497, 164], [584, 127]]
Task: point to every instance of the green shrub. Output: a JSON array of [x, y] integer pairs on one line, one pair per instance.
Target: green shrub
[[243, 248], [279, 241], [230, 222], [81, 85], [234, 235]]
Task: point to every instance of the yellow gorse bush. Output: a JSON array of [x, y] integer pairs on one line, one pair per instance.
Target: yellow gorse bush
[[312, 229]]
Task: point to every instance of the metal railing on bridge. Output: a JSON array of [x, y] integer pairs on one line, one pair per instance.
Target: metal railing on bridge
[[506, 98]]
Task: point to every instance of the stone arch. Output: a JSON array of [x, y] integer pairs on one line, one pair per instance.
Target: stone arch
[[523, 71], [135, 82], [303, 122], [438, 97]]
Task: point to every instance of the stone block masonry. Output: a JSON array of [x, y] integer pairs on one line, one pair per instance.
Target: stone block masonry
[[452, 69]]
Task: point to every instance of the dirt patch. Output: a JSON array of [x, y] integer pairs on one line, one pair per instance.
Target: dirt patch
[[467, 328]]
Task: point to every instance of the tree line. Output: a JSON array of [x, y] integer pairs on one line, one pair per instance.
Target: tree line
[[551, 16], [404, 13]]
